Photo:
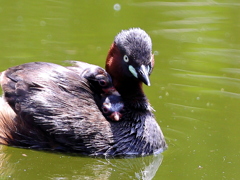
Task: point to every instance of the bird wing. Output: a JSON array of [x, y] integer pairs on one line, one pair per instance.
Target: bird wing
[[54, 98]]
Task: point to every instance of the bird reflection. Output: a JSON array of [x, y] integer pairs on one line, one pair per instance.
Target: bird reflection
[[25, 164]]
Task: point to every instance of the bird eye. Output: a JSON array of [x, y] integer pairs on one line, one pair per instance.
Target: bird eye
[[125, 58], [102, 83], [105, 109]]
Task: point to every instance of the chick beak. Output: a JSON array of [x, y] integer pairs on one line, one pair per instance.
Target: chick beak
[[115, 116], [143, 75]]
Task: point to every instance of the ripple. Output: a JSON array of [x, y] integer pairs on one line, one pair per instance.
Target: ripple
[[185, 4]]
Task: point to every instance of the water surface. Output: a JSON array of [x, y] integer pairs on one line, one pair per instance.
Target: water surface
[[195, 83]]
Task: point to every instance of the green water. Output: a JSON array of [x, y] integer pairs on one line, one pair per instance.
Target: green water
[[195, 83]]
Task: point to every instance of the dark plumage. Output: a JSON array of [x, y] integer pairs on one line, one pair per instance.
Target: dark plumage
[[136, 44], [112, 107], [51, 107], [50, 102], [100, 81]]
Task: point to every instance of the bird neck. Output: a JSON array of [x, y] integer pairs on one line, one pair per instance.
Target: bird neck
[[130, 88]]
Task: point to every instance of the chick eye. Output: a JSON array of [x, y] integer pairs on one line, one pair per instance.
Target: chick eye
[[105, 109], [125, 58]]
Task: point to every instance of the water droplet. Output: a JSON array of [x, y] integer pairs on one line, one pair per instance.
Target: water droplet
[[183, 38], [199, 39], [117, 7], [49, 36], [71, 51], [155, 53], [42, 23], [19, 18], [227, 34], [203, 29], [43, 41]]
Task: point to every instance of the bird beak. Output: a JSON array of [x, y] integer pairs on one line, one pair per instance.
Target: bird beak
[[143, 75], [115, 116]]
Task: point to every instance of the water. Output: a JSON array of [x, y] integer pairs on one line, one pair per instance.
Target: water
[[195, 83]]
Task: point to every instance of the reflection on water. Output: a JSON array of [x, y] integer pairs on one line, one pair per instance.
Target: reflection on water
[[29, 164]]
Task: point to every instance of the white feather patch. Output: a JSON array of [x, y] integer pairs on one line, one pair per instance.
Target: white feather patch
[[133, 71]]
